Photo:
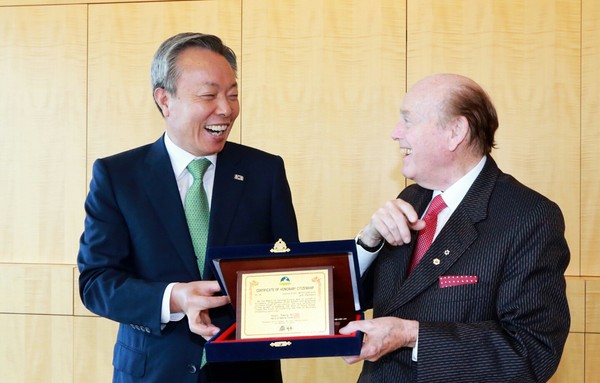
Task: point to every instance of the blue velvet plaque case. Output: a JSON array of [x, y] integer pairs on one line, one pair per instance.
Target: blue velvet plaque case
[[340, 255]]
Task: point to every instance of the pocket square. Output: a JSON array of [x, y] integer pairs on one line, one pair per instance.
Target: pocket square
[[457, 280]]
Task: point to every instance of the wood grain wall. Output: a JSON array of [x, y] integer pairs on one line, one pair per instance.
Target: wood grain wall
[[321, 84]]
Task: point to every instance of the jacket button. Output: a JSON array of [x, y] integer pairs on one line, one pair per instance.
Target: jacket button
[[192, 368]]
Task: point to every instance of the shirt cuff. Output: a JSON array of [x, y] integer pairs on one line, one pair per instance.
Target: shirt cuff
[[415, 351], [166, 315], [365, 258]]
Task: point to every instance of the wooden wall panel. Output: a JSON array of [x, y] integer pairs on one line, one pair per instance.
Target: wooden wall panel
[[122, 41], [78, 308], [63, 2], [592, 350], [592, 306], [42, 124], [526, 54], [590, 138], [36, 348], [36, 289], [571, 367], [576, 297], [322, 370], [322, 87], [94, 339]]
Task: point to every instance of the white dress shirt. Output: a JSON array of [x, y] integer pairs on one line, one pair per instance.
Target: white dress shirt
[[180, 160]]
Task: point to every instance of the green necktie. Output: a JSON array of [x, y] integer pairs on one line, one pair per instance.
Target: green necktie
[[197, 214], [197, 211]]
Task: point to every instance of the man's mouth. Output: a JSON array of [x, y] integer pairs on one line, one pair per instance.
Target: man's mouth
[[405, 152], [216, 130]]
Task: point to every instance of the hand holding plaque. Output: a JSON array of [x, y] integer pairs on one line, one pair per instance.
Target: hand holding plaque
[[285, 303]]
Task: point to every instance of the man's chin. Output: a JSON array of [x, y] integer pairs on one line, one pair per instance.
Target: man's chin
[[407, 172]]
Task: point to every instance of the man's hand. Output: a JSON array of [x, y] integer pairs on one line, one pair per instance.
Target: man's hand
[[392, 222], [195, 299], [382, 336]]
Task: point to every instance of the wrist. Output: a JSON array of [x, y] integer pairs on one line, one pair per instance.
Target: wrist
[[414, 334], [368, 243], [177, 298]]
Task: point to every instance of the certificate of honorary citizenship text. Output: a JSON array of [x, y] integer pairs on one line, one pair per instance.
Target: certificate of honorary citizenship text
[[284, 303]]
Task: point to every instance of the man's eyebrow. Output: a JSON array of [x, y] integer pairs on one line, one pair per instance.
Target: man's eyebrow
[[215, 85], [211, 84]]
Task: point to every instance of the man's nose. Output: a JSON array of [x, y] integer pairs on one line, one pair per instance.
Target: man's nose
[[398, 131], [224, 107]]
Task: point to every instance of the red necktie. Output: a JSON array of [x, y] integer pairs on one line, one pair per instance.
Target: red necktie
[[425, 236]]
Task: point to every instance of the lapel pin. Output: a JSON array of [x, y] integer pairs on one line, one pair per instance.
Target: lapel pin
[[238, 177]]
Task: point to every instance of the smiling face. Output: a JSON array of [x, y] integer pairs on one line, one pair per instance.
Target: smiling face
[[424, 138], [201, 114]]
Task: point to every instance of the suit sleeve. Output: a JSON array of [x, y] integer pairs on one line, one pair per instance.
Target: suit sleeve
[[525, 343], [108, 284], [284, 222]]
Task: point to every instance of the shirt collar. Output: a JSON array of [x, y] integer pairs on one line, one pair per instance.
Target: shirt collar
[[181, 158], [455, 193]]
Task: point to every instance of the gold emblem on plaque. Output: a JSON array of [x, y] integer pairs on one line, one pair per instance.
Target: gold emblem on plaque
[[280, 344], [280, 247]]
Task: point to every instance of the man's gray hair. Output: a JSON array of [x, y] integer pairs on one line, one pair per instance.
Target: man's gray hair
[[164, 72]]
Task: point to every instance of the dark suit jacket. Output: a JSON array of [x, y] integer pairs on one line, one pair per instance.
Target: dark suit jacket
[[136, 241], [512, 324]]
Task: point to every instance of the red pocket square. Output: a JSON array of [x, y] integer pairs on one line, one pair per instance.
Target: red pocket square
[[457, 280]]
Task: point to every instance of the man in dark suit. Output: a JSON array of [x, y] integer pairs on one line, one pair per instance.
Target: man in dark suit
[[137, 261], [486, 302]]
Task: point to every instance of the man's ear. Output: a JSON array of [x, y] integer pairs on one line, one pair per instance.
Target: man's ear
[[162, 98], [459, 132]]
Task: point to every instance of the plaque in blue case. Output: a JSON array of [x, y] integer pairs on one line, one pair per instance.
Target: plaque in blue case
[[338, 256]]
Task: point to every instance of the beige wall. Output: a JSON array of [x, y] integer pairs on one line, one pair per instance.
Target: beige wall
[[321, 84]]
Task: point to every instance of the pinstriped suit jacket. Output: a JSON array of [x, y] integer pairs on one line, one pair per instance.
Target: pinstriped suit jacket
[[512, 324]]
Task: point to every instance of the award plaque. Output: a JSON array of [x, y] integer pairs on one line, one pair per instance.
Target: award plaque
[[287, 300], [285, 303]]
